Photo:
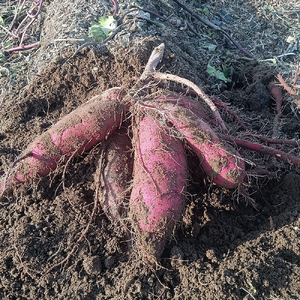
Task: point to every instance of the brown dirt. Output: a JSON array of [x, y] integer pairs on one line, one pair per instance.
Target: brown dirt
[[224, 248]]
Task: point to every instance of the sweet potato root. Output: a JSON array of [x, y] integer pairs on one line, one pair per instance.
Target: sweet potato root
[[114, 174], [75, 133], [160, 175], [187, 102], [221, 162]]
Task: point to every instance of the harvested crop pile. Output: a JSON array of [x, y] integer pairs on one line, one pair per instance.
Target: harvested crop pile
[[161, 124]]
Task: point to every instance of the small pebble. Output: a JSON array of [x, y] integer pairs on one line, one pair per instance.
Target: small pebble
[[175, 21], [143, 14]]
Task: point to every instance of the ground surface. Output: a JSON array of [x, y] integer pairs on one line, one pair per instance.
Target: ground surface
[[223, 248]]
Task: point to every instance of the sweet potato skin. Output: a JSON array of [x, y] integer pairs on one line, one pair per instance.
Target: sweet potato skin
[[221, 162], [160, 174], [187, 102], [75, 133], [114, 173]]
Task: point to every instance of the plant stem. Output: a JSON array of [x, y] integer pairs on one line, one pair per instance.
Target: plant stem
[[208, 23]]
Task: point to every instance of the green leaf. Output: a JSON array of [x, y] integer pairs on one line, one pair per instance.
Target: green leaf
[[15, 71], [1, 21], [8, 44], [108, 24], [101, 30], [212, 71], [269, 7], [210, 47], [204, 10], [228, 71], [96, 32], [2, 58]]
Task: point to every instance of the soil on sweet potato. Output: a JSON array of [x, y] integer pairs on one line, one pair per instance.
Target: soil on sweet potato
[[224, 248]]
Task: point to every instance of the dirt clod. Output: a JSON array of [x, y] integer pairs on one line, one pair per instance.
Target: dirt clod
[[92, 265]]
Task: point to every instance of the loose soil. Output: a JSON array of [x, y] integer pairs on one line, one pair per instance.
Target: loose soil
[[225, 246]]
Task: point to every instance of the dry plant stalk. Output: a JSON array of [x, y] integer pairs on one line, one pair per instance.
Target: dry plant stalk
[[21, 31], [289, 90]]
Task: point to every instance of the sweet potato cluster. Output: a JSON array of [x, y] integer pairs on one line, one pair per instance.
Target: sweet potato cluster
[[145, 167]]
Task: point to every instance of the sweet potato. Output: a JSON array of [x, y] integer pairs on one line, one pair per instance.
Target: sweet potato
[[187, 102], [221, 162], [114, 173], [75, 133], [160, 174]]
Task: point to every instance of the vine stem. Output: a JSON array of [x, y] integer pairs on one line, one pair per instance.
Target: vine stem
[[288, 89], [199, 91], [35, 5], [116, 7], [263, 149], [104, 42], [208, 23]]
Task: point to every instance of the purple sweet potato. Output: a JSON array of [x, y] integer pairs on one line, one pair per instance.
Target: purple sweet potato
[[187, 102], [159, 180], [221, 162], [75, 133], [114, 173]]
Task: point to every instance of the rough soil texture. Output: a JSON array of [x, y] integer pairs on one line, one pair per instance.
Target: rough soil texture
[[224, 248]]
